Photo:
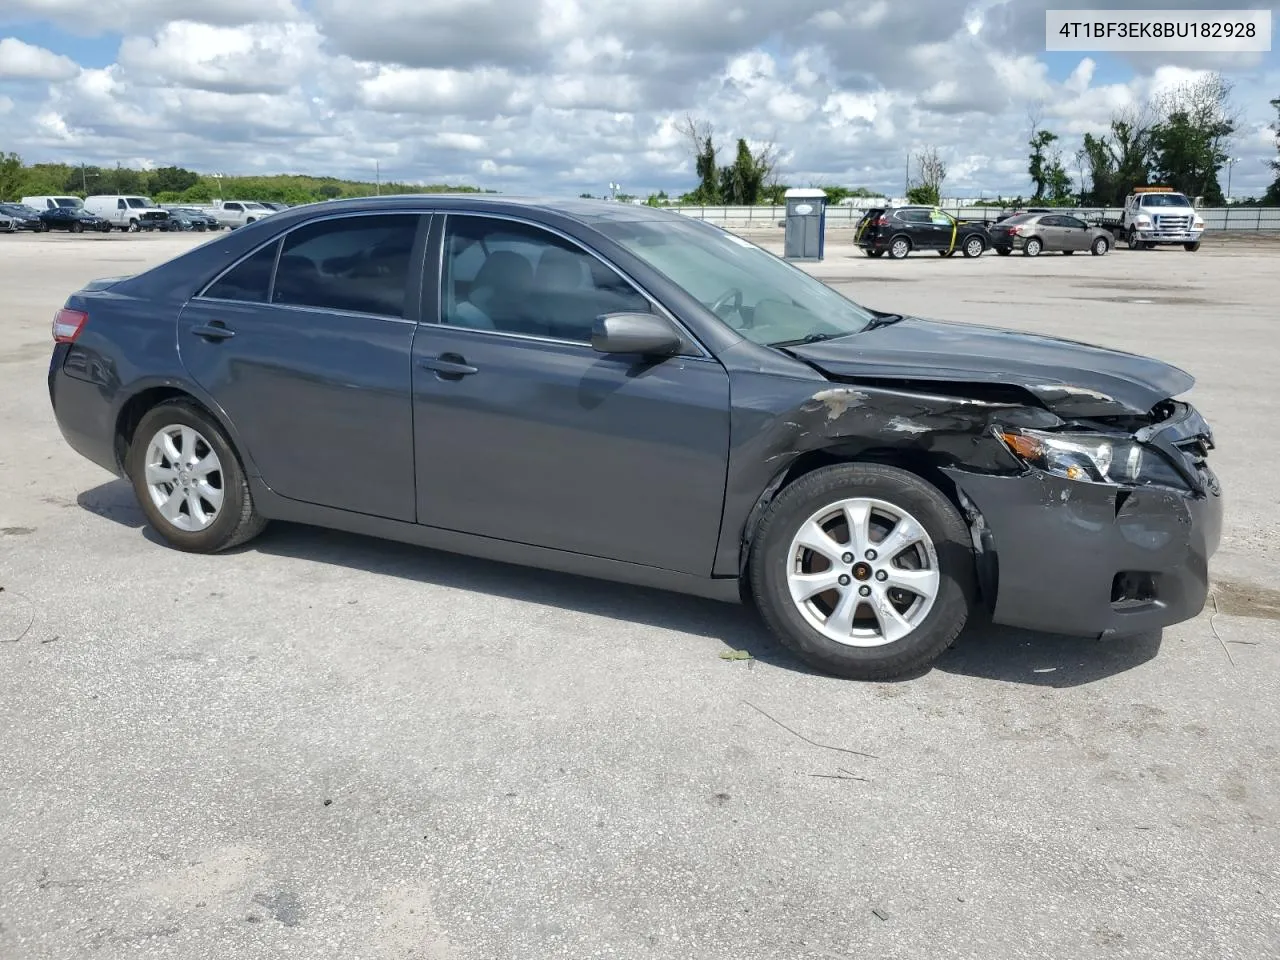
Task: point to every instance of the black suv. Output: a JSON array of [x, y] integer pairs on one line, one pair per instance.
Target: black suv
[[899, 230]]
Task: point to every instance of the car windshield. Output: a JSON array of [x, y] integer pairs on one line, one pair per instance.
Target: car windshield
[[139, 202], [68, 202], [761, 296], [254, 206], [1165, 200]]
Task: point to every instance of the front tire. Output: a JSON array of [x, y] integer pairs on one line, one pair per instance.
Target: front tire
[[876, 604], [1191, 247], [1100, 247], [189, 481]]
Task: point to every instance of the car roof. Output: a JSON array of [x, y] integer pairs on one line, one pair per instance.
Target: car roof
[[579, 209]]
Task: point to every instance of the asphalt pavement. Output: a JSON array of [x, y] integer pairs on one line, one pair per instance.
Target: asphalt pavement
[[327, 746]]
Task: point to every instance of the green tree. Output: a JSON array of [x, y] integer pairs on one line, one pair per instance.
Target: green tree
[[11, 176], [1040, 162], [1189, 143], [171, 180], [924, 194], [1273, 191], [741, 183]]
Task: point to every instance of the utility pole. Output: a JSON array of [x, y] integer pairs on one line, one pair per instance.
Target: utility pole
[[377, 174], [1231, 162], [906, 177]]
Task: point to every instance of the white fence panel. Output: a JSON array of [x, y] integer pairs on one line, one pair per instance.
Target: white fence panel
[[845, 217]]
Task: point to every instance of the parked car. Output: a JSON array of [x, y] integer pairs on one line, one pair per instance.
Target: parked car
[[128, 213], [49, 202], [74, 219], [632, 394], [1013, 213], [194, 218], [239, 213], [1036, 233], [898, 231], [16, 216]]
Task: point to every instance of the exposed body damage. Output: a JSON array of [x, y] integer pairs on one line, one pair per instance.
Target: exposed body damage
[[1126, 546]]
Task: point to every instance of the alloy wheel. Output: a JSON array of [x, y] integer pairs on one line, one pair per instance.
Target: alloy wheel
[[863, 572], [184, 478]]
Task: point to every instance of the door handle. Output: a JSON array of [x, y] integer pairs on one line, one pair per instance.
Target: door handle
[[449, 366], [214, 330]]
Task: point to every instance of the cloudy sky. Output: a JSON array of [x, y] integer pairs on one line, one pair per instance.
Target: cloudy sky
[[566, 95]]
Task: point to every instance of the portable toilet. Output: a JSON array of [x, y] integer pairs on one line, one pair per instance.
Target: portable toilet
[[806, 223]]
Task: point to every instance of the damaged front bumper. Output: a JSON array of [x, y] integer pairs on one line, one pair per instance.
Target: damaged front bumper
[[1098, 559]]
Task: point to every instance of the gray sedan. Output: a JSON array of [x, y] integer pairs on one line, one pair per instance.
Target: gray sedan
[[628, 393], [1037, 233]]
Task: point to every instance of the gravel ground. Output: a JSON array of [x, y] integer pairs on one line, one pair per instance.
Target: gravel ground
[[329, 746]]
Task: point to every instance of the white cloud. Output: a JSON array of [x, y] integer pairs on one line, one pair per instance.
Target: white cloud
[[95, 16], [6, 104], [256, 58], [23, 61], [525, 95]]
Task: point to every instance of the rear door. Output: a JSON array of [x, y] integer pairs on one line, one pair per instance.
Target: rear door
[[1049, 230], [305, 344]]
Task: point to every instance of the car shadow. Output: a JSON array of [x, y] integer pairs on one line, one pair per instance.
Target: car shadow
[[982, 651]]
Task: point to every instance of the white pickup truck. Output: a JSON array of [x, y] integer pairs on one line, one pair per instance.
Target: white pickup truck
[[237, 213], [1157, 216]]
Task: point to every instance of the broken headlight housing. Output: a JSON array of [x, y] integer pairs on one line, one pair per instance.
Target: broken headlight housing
[[1093, 457]]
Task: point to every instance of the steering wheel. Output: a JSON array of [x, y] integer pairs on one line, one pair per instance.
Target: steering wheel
[[731, 296]]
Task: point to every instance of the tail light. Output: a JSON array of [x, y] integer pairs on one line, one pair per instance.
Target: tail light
[[67, 325]]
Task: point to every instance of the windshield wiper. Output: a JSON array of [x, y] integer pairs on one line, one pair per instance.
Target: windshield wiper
[[811, 338], [883, 320]]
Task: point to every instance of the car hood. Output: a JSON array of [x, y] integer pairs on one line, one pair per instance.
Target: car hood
[[1070, 378]]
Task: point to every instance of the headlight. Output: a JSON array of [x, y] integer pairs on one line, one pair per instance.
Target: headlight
[[1092, 457], [1199, 223], [1142, 221]]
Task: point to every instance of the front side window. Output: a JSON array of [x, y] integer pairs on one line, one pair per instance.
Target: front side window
[[763, 297], [249, 281], [357, 264], [516, 278], [120, 204]]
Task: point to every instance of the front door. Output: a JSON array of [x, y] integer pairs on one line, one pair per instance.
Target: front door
[[313, 367], [1075, 233], [525, 433]]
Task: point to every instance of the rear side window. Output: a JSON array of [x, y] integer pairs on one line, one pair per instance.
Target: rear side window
[[249, 281], [357, 264]]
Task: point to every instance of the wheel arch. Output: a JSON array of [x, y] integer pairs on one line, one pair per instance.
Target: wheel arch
[[918, 462], [148, 396]]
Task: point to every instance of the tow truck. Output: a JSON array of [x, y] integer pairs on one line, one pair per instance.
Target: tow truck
[[1156, 216]]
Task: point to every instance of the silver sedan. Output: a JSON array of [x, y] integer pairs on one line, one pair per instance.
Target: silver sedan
[[1037, 233]]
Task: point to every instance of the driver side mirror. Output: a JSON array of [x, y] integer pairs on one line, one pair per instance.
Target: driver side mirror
[[646, 334]]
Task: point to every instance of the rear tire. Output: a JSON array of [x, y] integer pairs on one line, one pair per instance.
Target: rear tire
[[899, 248], [1004, 251], [974, 247], [875, 646], [207, 511], [1032, 247], [1067, 253]]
